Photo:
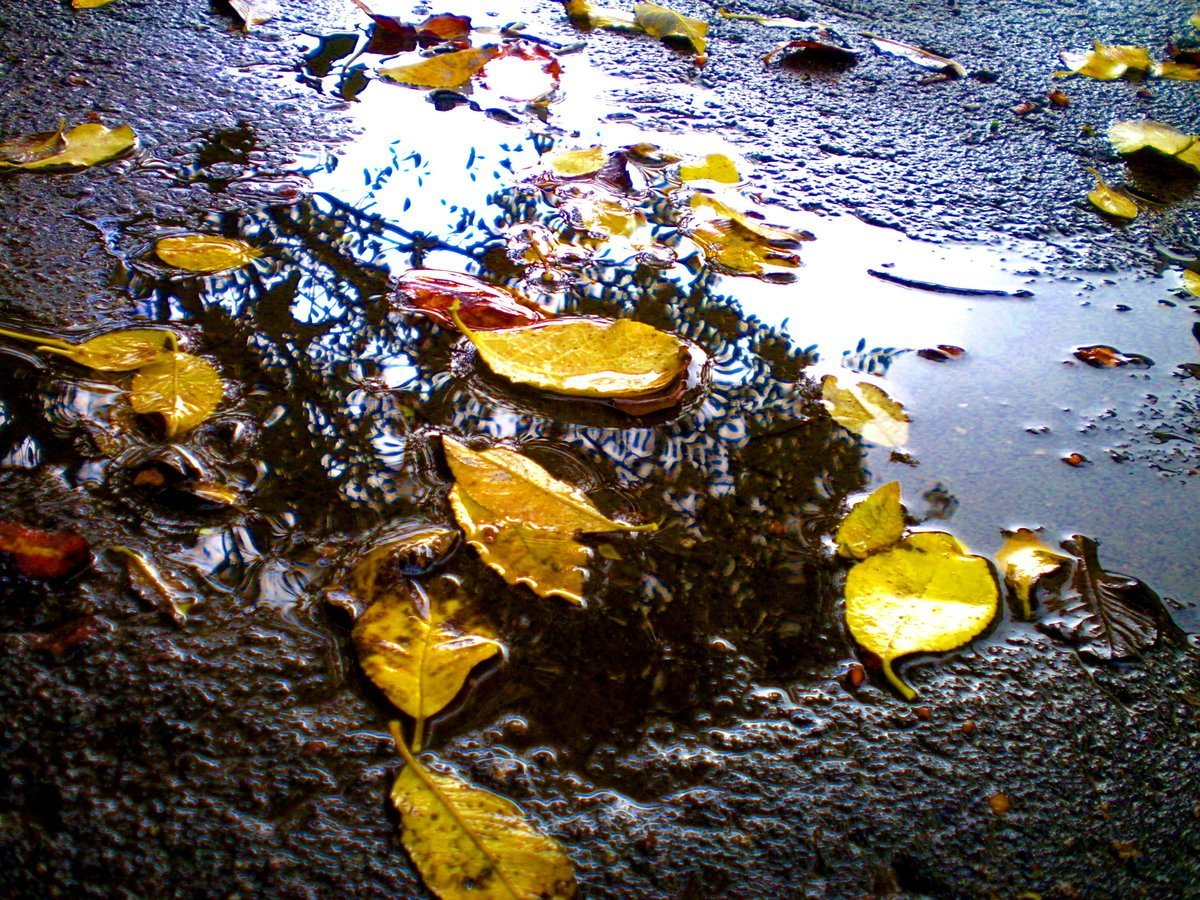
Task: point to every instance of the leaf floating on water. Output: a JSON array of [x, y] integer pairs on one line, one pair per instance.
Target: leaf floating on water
[[419, 652], [390, 36], [255, 12], [481, 306], [577, 163], [445, 70], [36, 553], [85, 145], [737, 243], [602, 358], [1145, 134], [208, 254], [872, 525], [867, 411], [1106, 62], [33, 148], [671, 27], [1114, 201], [1024, 559], [926, 594], [523, 521], [1102, 356], [922, 58], [470, 843], [117, 351], [183, 389], [714, 167]]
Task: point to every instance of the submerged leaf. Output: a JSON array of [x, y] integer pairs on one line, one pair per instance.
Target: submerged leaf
[[523, 521], [205, 253], [926, 594], [35, 147], [1024, 559], [866, 410], [672, 27], [1144, 134], [1111, 200], [737, 243], [602, 358], [1106, 62], [872, 525], [445, 70], [117, 351], [86, 145], [577, 163], [183, 389], [481, 306], [36, 553], [467, 842], [714, 167]]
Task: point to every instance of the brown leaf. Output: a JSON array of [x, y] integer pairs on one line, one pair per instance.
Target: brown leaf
[[43, 554], [481, 306], [390, 36], [1102, 356]]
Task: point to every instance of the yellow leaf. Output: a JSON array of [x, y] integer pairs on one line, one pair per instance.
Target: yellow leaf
[[586, 15], [205, 253], [89, 4], [1106, 62], [255, 12], [576, 163], [1176, 71], [445, 70], [926, 594], [35, 147], [523, 521], [472, 844], [872, 525], [1194, 21], [605, 358], [668, 25], [117, 351], [599, 216], [867, 411], [715, 167], [419, 650], [183, 389], [1024, 559], [1191, 282], [86, 145], [1114, 201], [1144, 134], [165, 592], [737, 243]]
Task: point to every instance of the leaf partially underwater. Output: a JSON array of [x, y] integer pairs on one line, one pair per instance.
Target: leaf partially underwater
[[737, 243], [85, 145], [1024, 560], [205, 253], [874, 524], [445, 70], [523, 521], [480, 306], [31, 148], [183, 389], [37, 553], [116, 351], [1114, 201], [672, 27], [866, 410], [1145, 134]]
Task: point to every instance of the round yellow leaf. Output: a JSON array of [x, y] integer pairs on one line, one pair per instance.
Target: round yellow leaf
[[183, 389]]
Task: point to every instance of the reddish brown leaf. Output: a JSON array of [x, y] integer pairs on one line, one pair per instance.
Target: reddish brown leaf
[[67, 636], [390, 36], [43, 554], [1075, 460], [1101, 356], [522, 71], [481, 306]]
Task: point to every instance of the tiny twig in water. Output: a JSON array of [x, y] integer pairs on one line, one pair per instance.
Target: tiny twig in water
[[944, 288]]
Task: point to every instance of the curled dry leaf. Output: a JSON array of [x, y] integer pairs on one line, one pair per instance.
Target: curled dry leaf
[[183, 389], [445, 70], [85, 145], [205, 253], [1113, 201], [916, 55], [872, 525], [673, 28], [480, 306], [523, 521], [34, 147], [866, 410], [36, 553], [468, 842], [117, 351], [1024, 560], [1145, 134], [926, 594]]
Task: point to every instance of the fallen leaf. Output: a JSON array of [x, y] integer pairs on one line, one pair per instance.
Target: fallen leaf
[[672, 27], [520, 70], [873, 524], [36, 553], [577, 163], [867, 411], [1106, 62], [468, 842], [1144, 134], [823, 48], [599, 215], [390, 36], [35, 147], [183, 389], [523, 521], [926, 594], [481, 306], [205, 253], [769, 21], [1024, 559], [1102, 356], [714, 167], [163, 591], [69, 635], [419, 649], [255, 12], [737, 243], [1075, 460], [584, 357], [1176, 71], [922, 58], [1110, 200], [1191, 282], [117, 351], [412, 548], [444, 70], [86, 145], [586, 15], [89, 4]]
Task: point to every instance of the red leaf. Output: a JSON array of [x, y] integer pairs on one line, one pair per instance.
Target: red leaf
[[481, 306], [390, 36], [43, 554]]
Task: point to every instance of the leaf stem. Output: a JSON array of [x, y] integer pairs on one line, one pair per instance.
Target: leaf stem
[[45, 342], [418, 734], [905, 691]]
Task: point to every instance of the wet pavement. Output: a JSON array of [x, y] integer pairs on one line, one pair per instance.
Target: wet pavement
[[701, 728]]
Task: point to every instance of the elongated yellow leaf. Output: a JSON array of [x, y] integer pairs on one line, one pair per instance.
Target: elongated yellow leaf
[[445, 70], [471, 844], [89, 4], [1024, 559], [523, 521], [866, 410], [167, 593], [872, 525], [587, 15], [419, 651], [183, 389], [714, 167], [205, 253], [86, 145], [605, 358], [1106, 62], [1114, 201], [926, 594], [668, 25], [117, 351], [1176, 71], [32, 148]]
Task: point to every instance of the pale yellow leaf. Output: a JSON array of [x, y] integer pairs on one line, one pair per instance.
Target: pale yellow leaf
[[1140, 134], [1106, 62], [1176, 71], [183, 389], [1024, 559], [1191, 282], [866, 410], [714, 167], [587, 15], [117, 351], [86, 145], [576, 163], [1114, 201], [872, 525], [668, 25], [444, 70], [205, 253], [255, 12]]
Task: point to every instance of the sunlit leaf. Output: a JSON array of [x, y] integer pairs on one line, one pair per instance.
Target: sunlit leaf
[[183, 389], [926, 594], [419, 650], [470, 843], [575, 163], [481, 306], [1024, 559], [1111, 200], [714, 167], [1191, 282], [86, 145], [116, 351], [523, 521], [604, 358], [872, 525], [206, 253], [35, 147], [866, 410], [89, 4], [1102, 356], [1106, 62], [922, 58], [37, 553], [672, 27], [161, 590], [1176, 71], [445, 70], [587, 15], [1144, 134], [255, 12], [737, 243]]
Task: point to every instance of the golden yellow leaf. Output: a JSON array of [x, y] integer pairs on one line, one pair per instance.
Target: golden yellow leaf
[[576, 163], [419, 650], [205, 253], [1106, 62], [89, 4], [606, 358], [714, 167], [587, 15], [866, 410], [34, 147], [183, 389], [1143, 134], [523, 521], [471, 844], [255, 12], [600, 216], [86, 145], [117, 351], [1111, 200], [1176, 71], [736, 242], [872, 525], [670, 26], [926, 594], [1024, 559], [444, 70], [1191, 282]]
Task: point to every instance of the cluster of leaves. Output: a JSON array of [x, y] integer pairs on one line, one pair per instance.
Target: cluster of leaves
[[1109, 62], [670, 27], [1136, 136]]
